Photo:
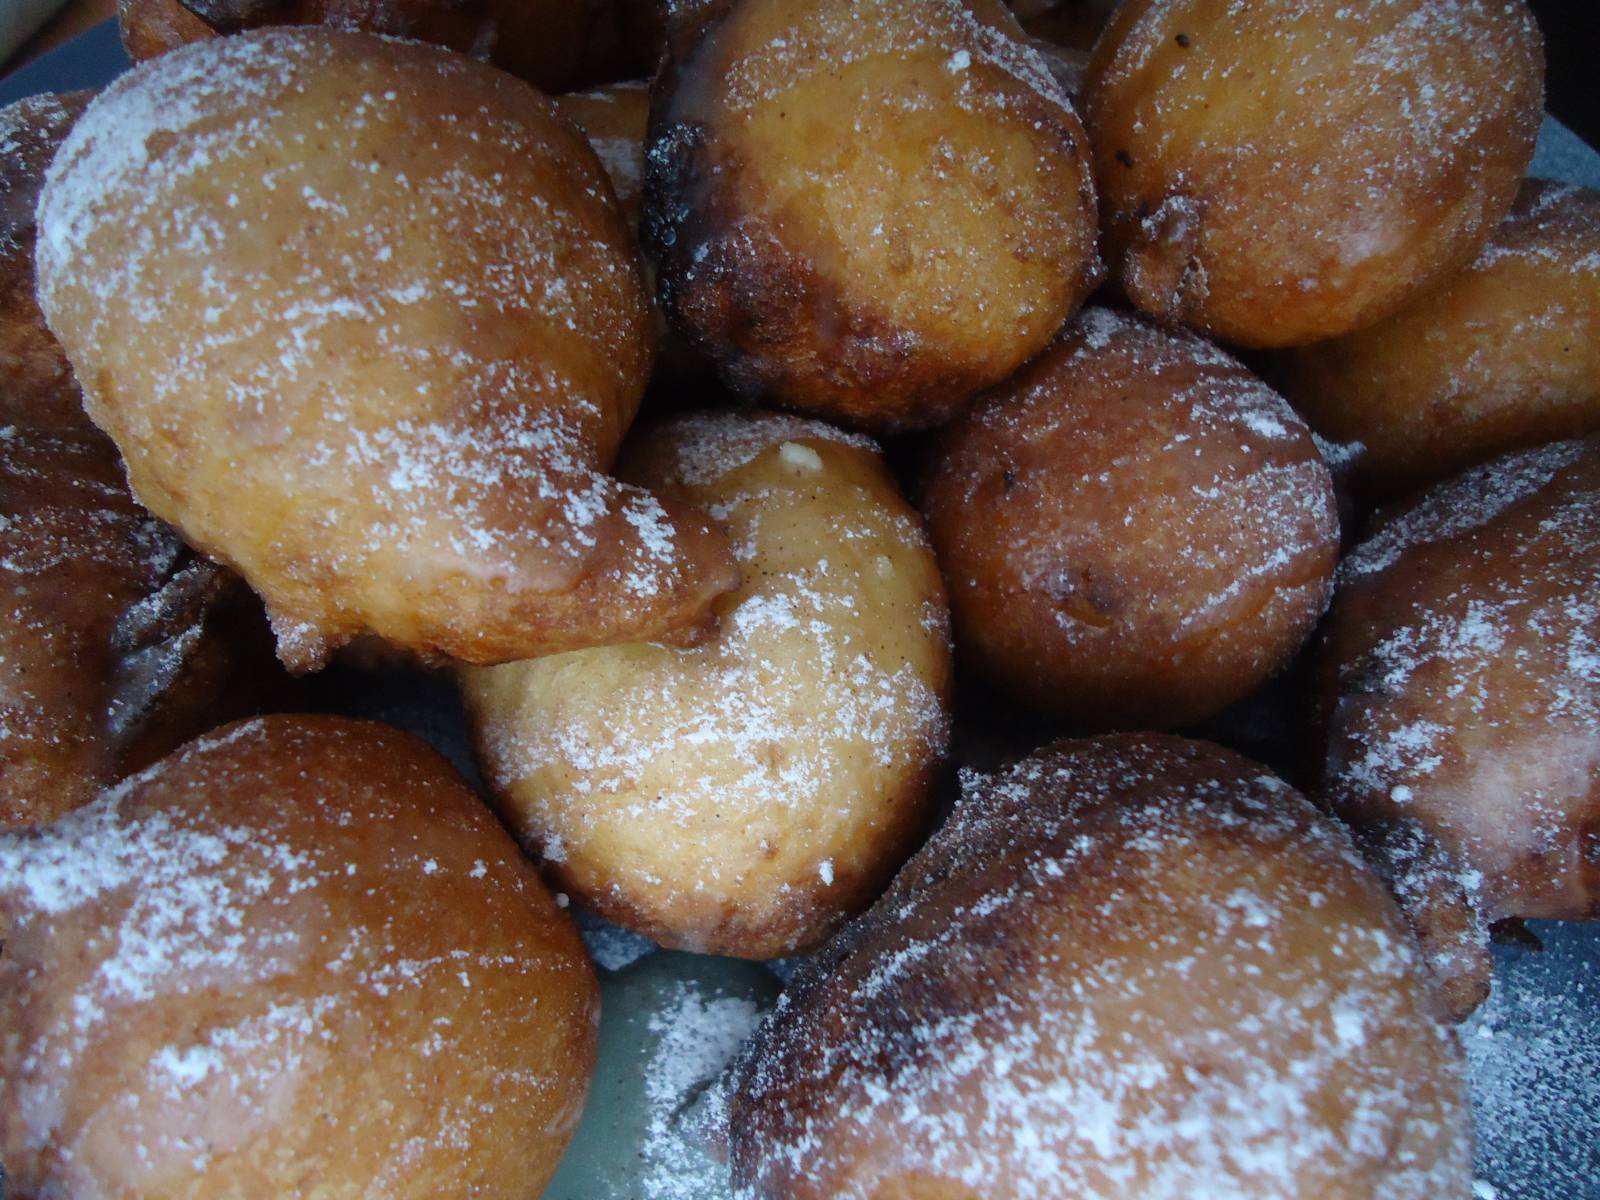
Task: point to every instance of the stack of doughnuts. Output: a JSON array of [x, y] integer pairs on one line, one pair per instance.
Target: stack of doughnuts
[[774, 454]]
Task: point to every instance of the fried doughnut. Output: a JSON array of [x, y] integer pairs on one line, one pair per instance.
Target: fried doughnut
[[744, 796], [296, 957], [1460, 682], [1137, 966], [36, 388], [867, 209], [366, 324], [551, 43], [1134, 530], [1291, 170], [1503, 355]]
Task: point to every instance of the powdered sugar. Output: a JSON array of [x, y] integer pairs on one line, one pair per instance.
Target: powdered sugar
[[1049, 1068]]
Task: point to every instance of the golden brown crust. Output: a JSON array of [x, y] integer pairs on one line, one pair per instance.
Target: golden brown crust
[[745, 796], [809, 246], [1134, 530], [1503, 354], [1132, 966], [1460, 691], [295, 926], [1372, 152], [387, 396]]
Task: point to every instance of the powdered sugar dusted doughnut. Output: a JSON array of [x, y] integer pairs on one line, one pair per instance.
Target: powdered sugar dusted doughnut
[[864, 208], [1134, 530], [1461, 689], [1502, 355], [296, 957], [365, 322], [743, 796], [1279, 171], [1137, 966]]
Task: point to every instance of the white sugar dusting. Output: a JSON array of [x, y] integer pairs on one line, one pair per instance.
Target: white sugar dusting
[[1136, 1068], [428, 449], [699, 1037], [1468, 502]]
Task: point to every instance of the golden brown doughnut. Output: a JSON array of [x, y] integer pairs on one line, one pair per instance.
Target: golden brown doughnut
[[1502, 355], [551, 43], [1136, 967], [867, 209], [366, 324], [744, 796], [1134, 530], [1460, 685], [295, 958], [1291, 170]]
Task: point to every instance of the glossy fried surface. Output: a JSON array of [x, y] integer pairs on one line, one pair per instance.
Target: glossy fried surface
[[1134, 530], [1461, 689], [296, 957], [365, 323], [744, 796], [1134, 966], [864, 209], [1502, 355], [1285, 171]]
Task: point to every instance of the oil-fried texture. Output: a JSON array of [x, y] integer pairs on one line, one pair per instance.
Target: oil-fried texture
[[1134, 530], [1502, 355], [1460, 685], [551, 43], [1138, 966], [1279, 171], [296, 957], [864, 208], [366, 323], [744, 796]]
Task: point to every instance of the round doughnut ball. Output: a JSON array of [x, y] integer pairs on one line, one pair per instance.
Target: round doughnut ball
[[1290, 170], [1460, 679], [864, 208], [296, 957], [365, 322], [744, 796], [547, 42], [1134, 530], [1138, 966], [1503, 355]]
